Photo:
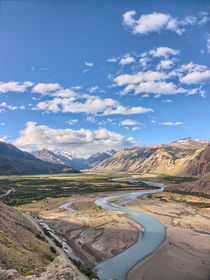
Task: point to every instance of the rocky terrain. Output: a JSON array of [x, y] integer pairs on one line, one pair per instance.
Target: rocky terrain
[[15, 161], [164, 158], [60, 269]]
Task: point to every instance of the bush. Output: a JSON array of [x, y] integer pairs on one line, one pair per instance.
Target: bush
[[52, 249]]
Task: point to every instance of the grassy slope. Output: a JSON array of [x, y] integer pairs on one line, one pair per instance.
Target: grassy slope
[[19, 247]]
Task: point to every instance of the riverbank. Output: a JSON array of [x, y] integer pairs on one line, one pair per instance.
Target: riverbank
[[185, 254]]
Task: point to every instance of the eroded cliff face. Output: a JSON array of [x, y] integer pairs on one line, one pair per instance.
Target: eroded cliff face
[[60, 269]]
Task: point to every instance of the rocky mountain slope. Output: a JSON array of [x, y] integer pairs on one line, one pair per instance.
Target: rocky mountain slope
[[157, 159], [20, 245], [67, 159], [60, 269], [196, 164], [15, 161]]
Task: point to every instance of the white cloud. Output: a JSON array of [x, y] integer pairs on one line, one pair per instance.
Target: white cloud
[[171, 123], [196, 77], [126, 60], [139, 77], [80, 142], [135, 128], [121, 110], [156, 22], [88, 104], [14, 86], [158, 88], [205, 17], [208, 42], [93, 89], [72, 122], [2, 123], [167, 101], [88, 64], [5, 107], [46, 88], [76, 88], [148, 82], [165, 64], [129, 122], [163, 51], [113, 59]]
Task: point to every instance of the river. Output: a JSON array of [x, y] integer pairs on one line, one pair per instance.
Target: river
[[117, 267]]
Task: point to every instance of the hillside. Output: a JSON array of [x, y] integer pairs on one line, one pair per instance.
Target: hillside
[[15, 161], [196, 164], [153, 159], [20, 248]]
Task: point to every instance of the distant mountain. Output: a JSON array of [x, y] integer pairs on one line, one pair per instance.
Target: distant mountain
[[15, 161], [53, 157], [97, 158], [69, 160], [190, 142], [152, 159]]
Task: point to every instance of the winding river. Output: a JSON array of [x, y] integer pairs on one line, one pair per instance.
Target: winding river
[[117, 267]]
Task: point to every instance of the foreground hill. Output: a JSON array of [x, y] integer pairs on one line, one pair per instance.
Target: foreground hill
[[19, 246], [69, 160], [15, 161], [156, 159]]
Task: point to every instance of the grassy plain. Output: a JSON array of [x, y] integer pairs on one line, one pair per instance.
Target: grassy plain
[[26, 189]]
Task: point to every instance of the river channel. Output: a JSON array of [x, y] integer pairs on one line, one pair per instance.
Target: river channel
[[117, 267]]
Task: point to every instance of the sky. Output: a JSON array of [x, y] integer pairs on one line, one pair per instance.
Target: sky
[[86, 76]]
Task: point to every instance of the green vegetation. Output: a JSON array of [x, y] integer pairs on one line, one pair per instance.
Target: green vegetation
[[85, 270], [176, 179], [26, 189], [197, 194]]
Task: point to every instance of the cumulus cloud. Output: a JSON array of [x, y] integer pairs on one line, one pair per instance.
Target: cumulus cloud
[[88, 104], [14, 86], [129, 122], [148, 82], [196, 77], [82, 142], [171, 123], [156, 22], [46, 88], [127, 59], [165, 64], [139, 77], [163, 51]]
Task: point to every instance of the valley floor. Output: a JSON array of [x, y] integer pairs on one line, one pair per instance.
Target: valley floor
[[185, 254], [96, 234]]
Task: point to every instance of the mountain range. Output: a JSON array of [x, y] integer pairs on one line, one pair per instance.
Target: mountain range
[[15, 161], [69, 160], [183, 157]]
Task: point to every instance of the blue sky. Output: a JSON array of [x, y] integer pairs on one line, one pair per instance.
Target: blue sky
[[87, 76]]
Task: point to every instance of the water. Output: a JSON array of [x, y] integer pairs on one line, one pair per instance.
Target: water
[[118, 266]]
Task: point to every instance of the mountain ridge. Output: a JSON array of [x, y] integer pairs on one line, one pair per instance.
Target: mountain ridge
[[14, 161]]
